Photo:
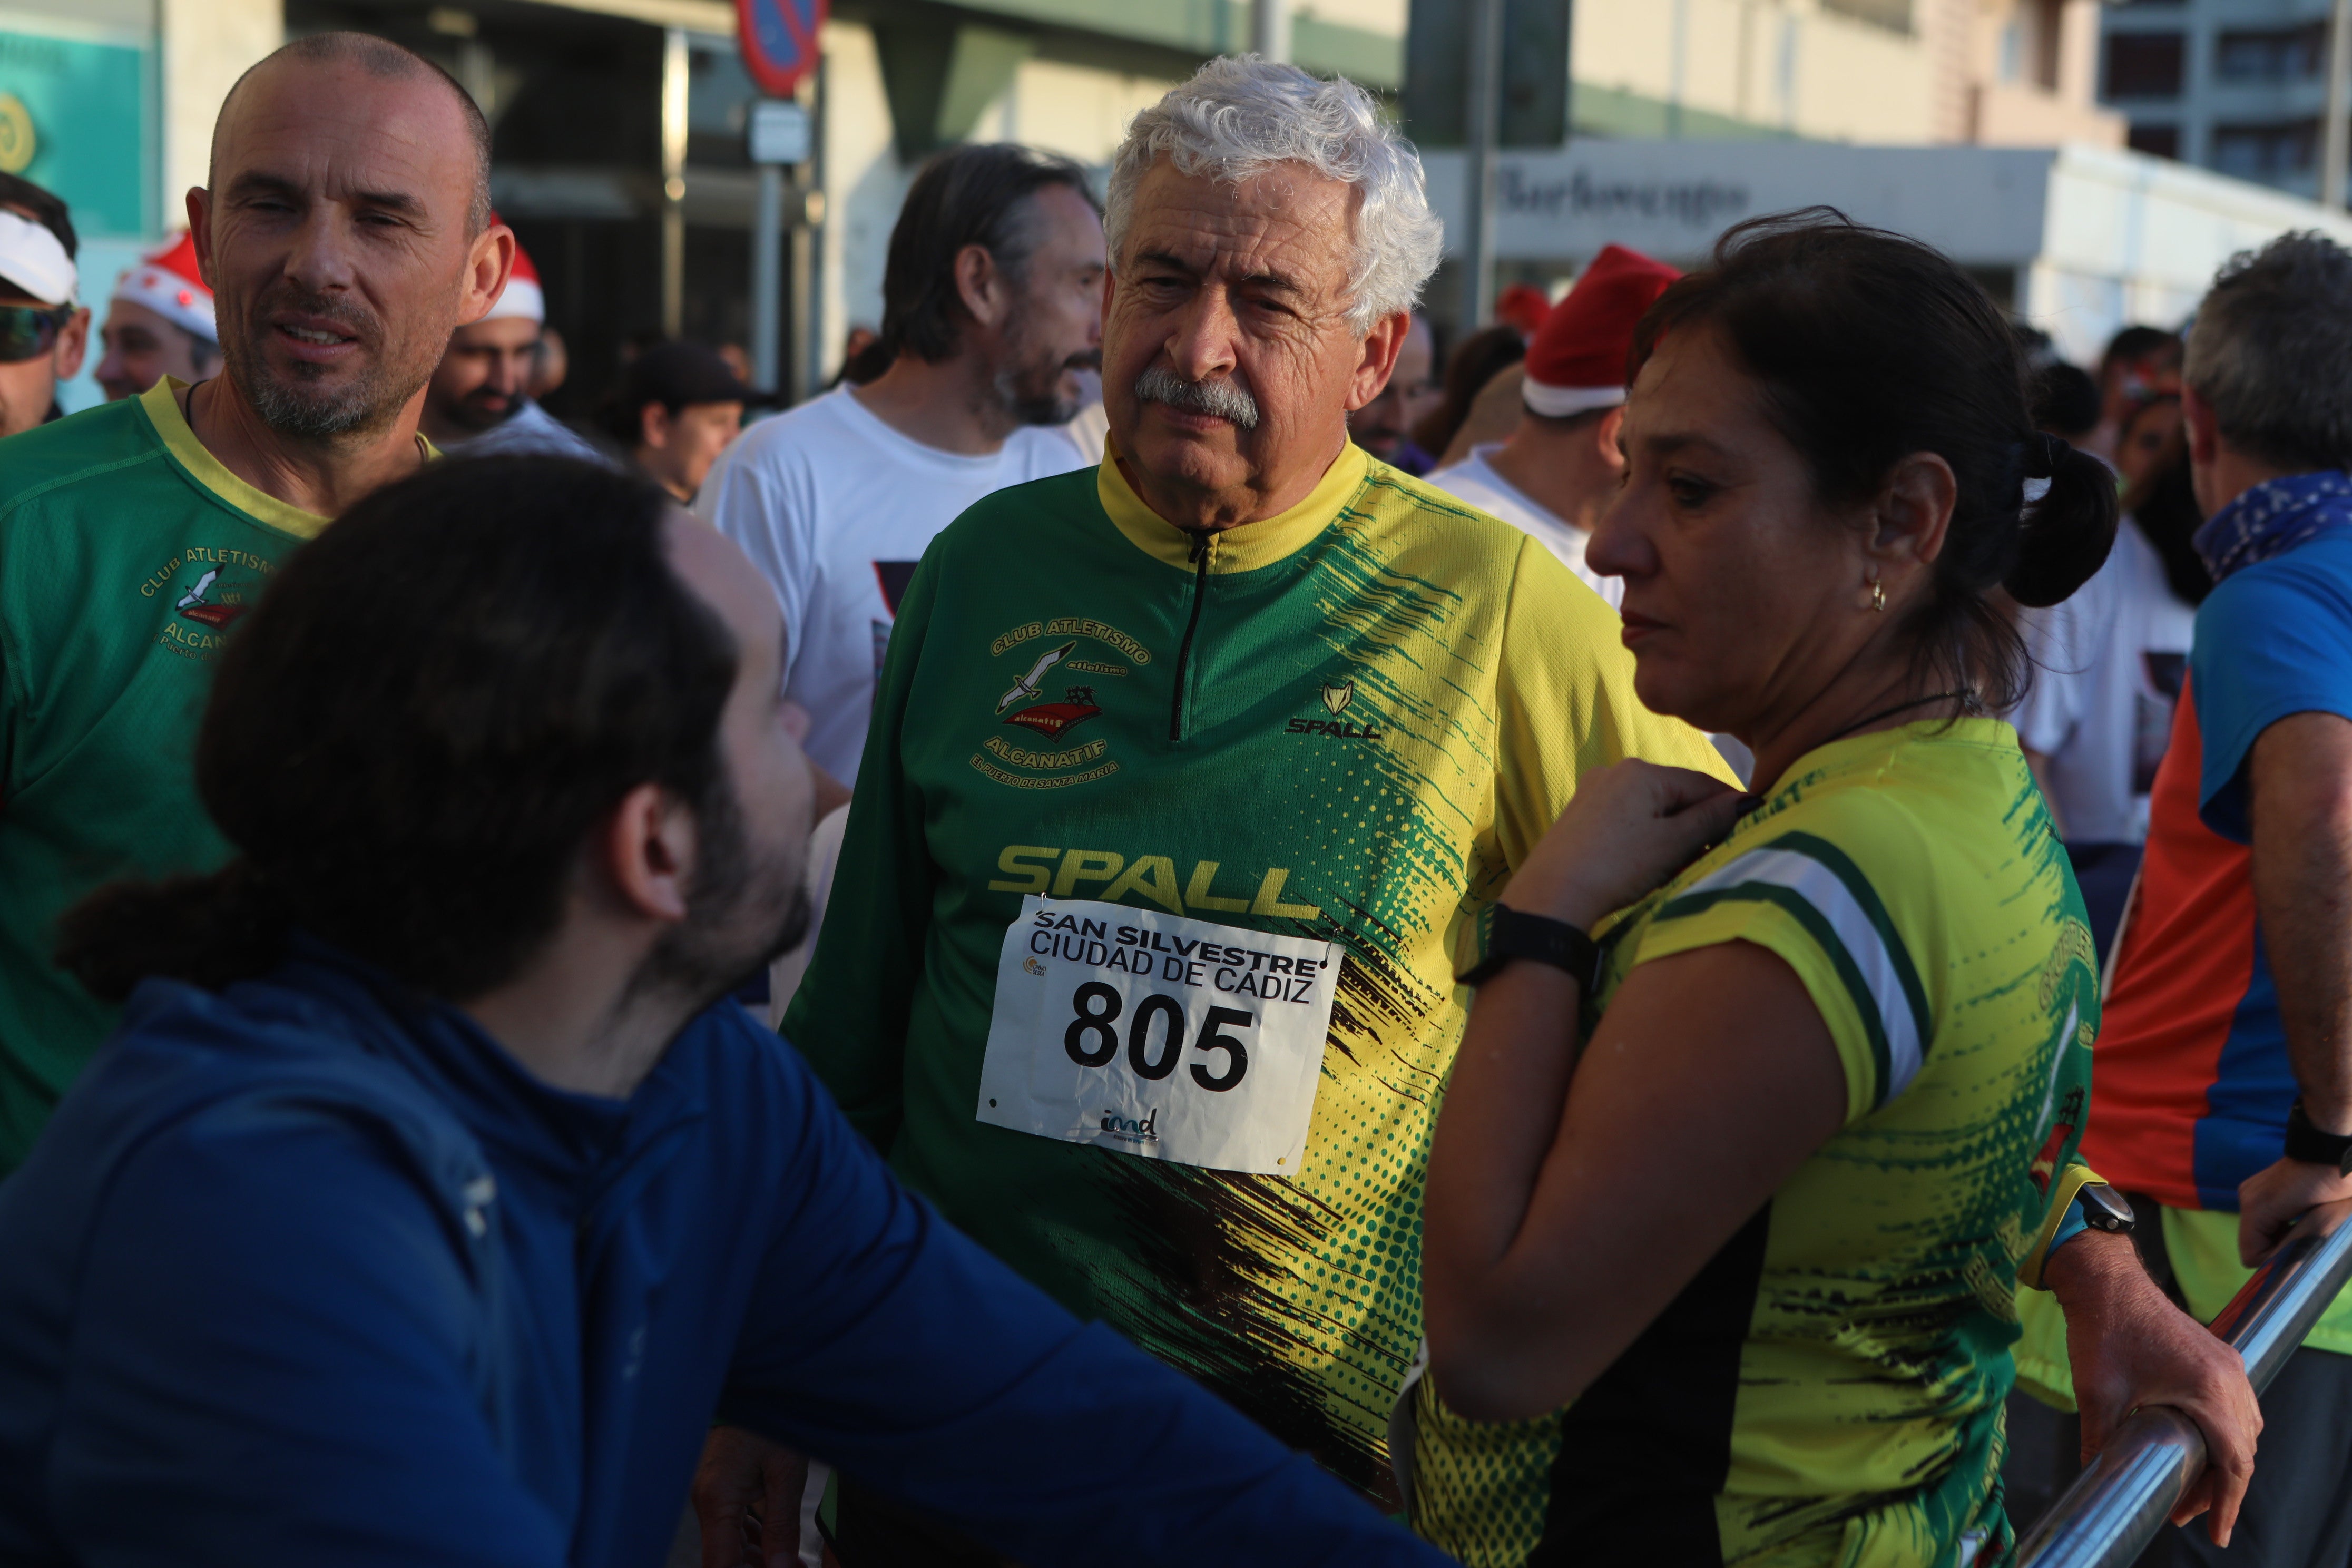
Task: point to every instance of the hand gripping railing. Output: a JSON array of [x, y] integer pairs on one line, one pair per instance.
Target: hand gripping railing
[[2108, 1516]]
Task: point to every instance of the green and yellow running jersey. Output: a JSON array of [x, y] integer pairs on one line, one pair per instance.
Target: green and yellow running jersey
[[1329, 733], [1829, 1389], [127, 553]]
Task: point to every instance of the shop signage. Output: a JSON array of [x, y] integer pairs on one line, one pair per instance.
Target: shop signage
[[77, 117], [779, 132]]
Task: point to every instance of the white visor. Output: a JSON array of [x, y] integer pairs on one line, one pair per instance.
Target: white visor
[[34, 259]]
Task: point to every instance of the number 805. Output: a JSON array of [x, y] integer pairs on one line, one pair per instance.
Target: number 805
[[1095, 1007]]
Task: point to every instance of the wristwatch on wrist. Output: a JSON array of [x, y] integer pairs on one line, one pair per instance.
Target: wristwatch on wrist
[[2104, 1208], [1505, 933], [2308, 1144]]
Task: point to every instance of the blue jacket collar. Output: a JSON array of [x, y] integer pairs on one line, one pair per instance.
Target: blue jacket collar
[[2273, 517], [562, 1135]]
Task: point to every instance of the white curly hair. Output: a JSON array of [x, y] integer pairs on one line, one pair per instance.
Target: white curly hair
[[1241, 115]]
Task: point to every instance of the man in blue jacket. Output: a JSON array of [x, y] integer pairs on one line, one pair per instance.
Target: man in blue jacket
[[431, 1203]]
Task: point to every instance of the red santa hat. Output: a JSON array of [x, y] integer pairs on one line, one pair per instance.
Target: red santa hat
[[523, 296], [1577, 361], [166, 282]]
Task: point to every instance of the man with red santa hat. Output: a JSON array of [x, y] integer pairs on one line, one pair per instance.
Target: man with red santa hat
[[159, 323], [480, 403], [1560, 468]]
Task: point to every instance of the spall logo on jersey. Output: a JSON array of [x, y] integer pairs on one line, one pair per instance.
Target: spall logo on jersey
[[1336, 696]]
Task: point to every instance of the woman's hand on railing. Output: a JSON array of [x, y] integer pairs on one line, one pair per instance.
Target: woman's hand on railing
[[2129, 1347]]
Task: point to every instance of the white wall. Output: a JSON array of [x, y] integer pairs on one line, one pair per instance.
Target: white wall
[[2134, 239], [206, 45], [864, 186], [1078, 112], [2099, 236]]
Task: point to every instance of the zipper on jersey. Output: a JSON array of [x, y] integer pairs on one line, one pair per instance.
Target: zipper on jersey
[[1200, 559]]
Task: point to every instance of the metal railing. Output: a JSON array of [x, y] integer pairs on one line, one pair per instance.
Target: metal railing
[[2108, 1516]]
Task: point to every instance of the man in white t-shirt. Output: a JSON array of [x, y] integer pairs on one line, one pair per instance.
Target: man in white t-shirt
[[1559, 469], [2100, 713], [992, 311]]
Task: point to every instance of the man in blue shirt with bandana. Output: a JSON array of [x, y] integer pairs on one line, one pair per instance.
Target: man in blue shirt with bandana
[[2223, 1086]]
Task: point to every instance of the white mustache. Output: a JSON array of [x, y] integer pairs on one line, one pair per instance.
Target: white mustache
[[1218, 399]]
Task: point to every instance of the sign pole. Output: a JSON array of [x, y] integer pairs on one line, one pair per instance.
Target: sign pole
[[1486, 114], [2332, 127]]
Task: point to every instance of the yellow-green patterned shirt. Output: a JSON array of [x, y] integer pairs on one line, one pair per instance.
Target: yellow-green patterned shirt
[[1829, 1388], [1346, 724]]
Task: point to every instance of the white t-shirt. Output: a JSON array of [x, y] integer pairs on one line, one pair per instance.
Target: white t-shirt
[[836, 508], [1474, 480], [2110, 662]]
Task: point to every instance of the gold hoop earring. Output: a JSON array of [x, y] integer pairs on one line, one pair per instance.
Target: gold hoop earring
[[1877, 595]]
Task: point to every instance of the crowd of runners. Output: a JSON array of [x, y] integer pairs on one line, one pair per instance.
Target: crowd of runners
[[1045, 958]]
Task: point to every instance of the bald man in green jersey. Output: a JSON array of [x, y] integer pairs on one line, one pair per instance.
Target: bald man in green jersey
[[345, 232]]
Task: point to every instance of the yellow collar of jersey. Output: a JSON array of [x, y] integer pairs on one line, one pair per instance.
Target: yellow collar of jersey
[[160, 402], [1244, 548]]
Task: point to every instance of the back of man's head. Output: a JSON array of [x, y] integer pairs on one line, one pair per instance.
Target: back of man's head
[[967, 195], [409, 741], [2269, 353]]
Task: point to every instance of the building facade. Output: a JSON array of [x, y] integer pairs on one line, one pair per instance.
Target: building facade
[[620, 124], [1899, 72], [2234, 86]]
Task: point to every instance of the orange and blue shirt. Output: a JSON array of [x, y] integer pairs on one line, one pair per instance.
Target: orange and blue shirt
[[2193, 1080]]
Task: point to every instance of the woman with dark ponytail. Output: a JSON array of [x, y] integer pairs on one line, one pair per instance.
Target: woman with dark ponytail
[[1726, 1215]]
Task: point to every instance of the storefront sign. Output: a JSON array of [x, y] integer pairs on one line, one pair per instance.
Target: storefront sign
[[77, 118]]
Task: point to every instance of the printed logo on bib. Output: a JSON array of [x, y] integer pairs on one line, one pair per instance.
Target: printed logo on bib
[[1158, 1035]]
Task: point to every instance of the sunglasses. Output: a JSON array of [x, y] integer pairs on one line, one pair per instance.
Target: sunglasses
[[28, 331]]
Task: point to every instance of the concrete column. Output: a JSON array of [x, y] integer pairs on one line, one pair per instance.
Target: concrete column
[[205, 46], [673, 84]]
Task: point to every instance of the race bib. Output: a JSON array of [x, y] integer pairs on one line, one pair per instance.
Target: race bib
[[1154, 1035]]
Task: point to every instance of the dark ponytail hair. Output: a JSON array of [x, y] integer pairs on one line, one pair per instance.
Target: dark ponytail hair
[[1868, 347], [410, 737]]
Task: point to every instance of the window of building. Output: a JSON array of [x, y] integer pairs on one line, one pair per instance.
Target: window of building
[[1892, 15], [2163, 140], [2266, 152], [2144, 65], [2028, 44], [2272, 54]]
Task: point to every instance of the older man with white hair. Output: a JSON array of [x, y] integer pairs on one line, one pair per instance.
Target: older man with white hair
[[1187, 777]]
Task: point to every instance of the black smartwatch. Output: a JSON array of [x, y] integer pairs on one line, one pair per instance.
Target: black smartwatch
[[2308, 1144], [2104, 1208], [1505, 933]]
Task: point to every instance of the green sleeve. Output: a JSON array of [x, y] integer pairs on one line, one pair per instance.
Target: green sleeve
[[849, 1017], [1566, 704]]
